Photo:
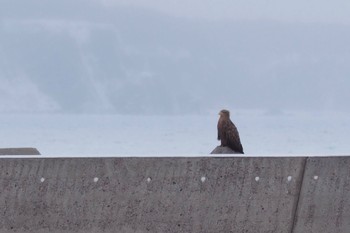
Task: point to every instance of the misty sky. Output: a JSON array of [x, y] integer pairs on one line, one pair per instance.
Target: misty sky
[[173, 57], [293, 11]]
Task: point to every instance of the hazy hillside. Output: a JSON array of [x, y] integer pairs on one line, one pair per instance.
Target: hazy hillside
[[88, 58]]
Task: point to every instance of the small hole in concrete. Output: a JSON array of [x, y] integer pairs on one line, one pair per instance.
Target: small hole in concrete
[[289, 178], [257, 178], [95, 179], [315, 177], [42, 179], [203, 179], [149, 179]]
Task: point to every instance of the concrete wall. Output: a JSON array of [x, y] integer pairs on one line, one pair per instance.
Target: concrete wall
[[206, 195], [19, 151], [324, 204]]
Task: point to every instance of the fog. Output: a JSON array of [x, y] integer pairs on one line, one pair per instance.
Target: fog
[[148, 57]]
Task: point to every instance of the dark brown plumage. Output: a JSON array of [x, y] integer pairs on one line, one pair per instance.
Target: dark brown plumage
[[228, 133]]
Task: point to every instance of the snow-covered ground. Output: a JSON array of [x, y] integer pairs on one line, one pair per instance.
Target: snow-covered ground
[[290, 133]]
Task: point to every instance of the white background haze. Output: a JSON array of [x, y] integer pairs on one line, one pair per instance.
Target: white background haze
[[138, 57], [173, 57]]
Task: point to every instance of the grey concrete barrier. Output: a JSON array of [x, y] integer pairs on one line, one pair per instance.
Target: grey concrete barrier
[[197, 194], [324, 204], [19, 151]]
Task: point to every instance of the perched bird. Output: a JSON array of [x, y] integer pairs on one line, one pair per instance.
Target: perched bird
[[228, 133]]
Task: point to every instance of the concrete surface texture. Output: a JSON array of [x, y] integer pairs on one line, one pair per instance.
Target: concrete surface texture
[[233, 194], [324, 205], [19, 151]]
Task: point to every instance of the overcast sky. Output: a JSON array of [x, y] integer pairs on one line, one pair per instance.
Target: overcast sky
[[173, 57], [282, 10]]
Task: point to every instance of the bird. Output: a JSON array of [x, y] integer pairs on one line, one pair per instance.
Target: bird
[[228, 133]]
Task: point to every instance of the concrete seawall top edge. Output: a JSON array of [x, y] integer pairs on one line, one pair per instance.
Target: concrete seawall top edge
[[165, 156]]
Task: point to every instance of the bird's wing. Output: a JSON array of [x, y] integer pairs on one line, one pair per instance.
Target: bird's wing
[[233, 137], [219, 131]]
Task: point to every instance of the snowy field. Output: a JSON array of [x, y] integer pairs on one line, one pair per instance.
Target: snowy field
[[291, 133]]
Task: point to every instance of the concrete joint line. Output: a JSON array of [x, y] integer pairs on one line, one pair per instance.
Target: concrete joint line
[[296, 207]]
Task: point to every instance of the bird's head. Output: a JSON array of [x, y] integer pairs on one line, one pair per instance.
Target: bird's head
[[224, 113]]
